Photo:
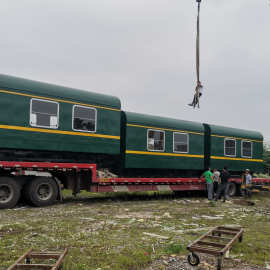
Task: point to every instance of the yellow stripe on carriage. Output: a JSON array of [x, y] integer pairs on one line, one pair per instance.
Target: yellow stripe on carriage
[[241, 159], [43, 130], [237, 138], [162, 154]]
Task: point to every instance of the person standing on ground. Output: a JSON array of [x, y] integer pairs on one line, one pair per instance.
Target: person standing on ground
[[247, 181], [216, 179], [209, 182], [223, 187]]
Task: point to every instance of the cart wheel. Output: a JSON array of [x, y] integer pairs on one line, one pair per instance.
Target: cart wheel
[[219, 264], [193, 259]]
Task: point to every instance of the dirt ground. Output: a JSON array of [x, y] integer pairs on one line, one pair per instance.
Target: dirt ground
[[145, 231]]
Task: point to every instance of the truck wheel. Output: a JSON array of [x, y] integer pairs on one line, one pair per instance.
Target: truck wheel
[[232, 189], [9, 192], [41, 191]]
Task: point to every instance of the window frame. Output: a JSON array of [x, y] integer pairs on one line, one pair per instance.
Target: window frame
[[44, 100], [187, 142], [158, 130], [230, 139], [72, 120], [242, 155]]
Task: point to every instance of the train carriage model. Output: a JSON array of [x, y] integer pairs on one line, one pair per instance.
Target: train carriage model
[[53, 136], [159, 146], [45, 122], [238, 149], [162, 146]]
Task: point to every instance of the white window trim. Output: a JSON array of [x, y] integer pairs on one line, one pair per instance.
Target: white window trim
[[44, 100], [152, 150], [88, 131], [230, 139], [187, 142], [242, 149]]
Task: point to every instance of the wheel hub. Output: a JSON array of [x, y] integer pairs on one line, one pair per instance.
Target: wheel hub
[[44, 191], [6, 193]]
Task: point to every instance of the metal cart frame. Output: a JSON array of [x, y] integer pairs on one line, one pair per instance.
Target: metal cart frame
[[215, 242], [24, 262]]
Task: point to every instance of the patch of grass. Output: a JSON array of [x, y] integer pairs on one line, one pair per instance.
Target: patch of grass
[[174, 249], [129, 231]]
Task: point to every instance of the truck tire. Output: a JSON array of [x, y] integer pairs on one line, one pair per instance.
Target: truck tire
[[10, 192], [232, 189], [41, 191]]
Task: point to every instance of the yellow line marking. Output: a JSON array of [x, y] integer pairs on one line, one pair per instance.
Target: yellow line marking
[[59, 132], [229, 137], [167, 129], [58, 100], [162, 154], [243, 159]]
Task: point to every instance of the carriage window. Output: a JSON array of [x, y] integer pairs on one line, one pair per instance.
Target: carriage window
[[180, 142], [84, 118], [229, 147], [44, 113], [155, 140], [246, 149]]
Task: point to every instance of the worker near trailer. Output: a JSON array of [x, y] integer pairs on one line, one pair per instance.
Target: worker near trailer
[[208, 176], [216, 179], [223, 187], [247, 181]]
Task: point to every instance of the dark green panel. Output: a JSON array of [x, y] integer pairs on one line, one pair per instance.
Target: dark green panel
[[160, 162], [15, 111], [217, 149], [56, 142], [163, 122], [56, 91], [136, 140]]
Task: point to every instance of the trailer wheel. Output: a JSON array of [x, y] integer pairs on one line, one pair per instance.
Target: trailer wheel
[[232, 189], [193, 259], [41, 191], [9, 192]]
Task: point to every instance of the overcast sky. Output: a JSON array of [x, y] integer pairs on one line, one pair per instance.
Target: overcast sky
[[143, 51]]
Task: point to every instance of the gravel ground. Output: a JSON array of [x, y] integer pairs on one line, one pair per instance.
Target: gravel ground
[[207, 263]]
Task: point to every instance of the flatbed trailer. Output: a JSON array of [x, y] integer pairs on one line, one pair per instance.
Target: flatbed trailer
[[40, 183]]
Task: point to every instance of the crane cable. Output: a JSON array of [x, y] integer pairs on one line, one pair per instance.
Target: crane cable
[[198, 86], [198, 43]]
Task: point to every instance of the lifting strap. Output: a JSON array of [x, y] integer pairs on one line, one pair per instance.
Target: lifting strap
[[198, 43], [196, 100]]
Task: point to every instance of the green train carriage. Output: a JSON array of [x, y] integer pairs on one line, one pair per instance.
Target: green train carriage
[[160, 146], [45, 122], [165, 147], [238, 149]]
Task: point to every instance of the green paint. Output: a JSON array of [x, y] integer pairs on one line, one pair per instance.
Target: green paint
[[136, 140], [15, 111]]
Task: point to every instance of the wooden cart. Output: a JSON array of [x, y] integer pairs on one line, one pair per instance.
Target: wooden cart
[[24, 262], [215, 242]]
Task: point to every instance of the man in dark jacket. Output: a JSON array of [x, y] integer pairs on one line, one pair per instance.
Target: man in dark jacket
[[223, 187]]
